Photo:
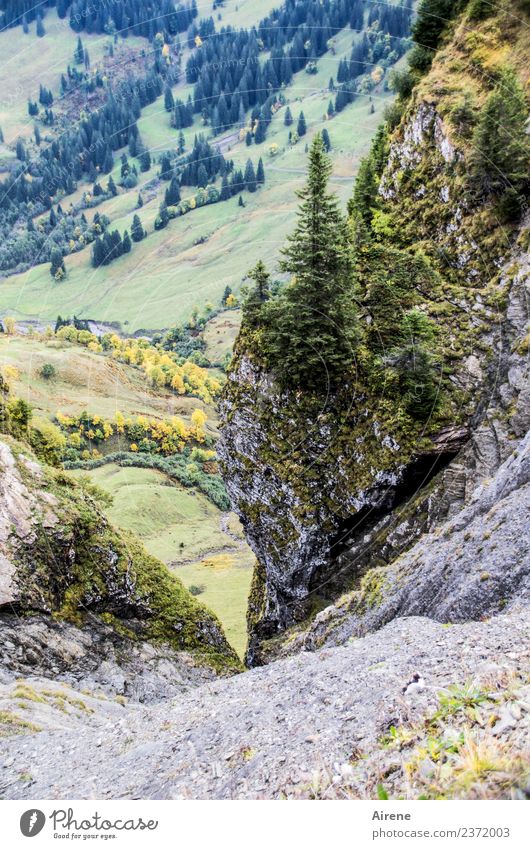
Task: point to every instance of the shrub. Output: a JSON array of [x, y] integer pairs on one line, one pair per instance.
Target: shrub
[[48, 371]]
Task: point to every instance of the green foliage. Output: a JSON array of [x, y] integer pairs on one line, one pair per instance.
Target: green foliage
[[501, 149], [258, 295], [418, 376], [18, 417], [47, 371], [47, 441], [310, 328], [432, 18], [481, 9]]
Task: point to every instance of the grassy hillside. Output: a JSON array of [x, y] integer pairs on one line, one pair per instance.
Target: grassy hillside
[[87, 381], [181, 527], [164, 276]]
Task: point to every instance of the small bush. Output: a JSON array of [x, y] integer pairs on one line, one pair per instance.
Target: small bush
[[48, 371]]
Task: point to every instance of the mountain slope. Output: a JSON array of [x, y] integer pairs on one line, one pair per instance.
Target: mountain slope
[[322, 482]]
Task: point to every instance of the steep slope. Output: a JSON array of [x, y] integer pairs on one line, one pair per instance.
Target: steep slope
[[329, 486], [333, 724], [80, 601]]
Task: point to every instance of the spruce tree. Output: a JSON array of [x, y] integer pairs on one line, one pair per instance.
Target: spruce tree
[[301, 128], [250, 177], [326, 139], [288, 119], [225, 189], [111, 187], [258, 295], [169, 101], [501, 148], [364, 199], [173, 192], [57, 268], [39, 27], [137, 231], [79, 52], [126, 243], [260, 173], [311, 329]]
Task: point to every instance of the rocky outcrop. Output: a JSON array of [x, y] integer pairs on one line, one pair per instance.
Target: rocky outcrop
[[62, 565], [330, 487]]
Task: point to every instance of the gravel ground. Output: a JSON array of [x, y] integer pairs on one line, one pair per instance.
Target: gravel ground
[[264, 733]]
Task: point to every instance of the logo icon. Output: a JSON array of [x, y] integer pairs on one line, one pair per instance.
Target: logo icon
[[32, 822]]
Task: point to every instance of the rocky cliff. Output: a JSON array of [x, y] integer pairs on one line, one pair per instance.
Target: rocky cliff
[[330, 487], [82, 602]]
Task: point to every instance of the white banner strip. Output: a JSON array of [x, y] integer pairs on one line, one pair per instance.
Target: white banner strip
[[265, 824]]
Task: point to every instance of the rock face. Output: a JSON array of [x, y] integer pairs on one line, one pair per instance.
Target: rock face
[[327, 488], [77, 597]]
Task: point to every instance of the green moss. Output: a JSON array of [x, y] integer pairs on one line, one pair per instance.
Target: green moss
[[83, 565]]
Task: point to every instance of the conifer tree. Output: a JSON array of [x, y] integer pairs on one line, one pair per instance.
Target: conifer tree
[[260, 173], [173, 192], [250, 177], [258, 295], [501, 147], [126, 243], [301, 128], [111, 187], [57, 268], [311, 328], [326, 139], [169, 101], [79, 52], [39, 27], [137, 231], [288, 118]]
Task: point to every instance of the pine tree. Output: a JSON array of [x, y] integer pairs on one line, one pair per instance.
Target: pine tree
[[241, 202], [144, 158], [39, 27], [162, 218], [57, 267], [311, 328], [202, 176], [225, 189], [326, 139], [250, 177], [173, 192], [165, 167], [181, 143], [260, 173], [501, 148], [98, 253], [126, 243], [288, 118], [139, 201], [169, 101], [364, 199], [79, 52], [301, 128], [111, 187], [137, 231], [258, 295]]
